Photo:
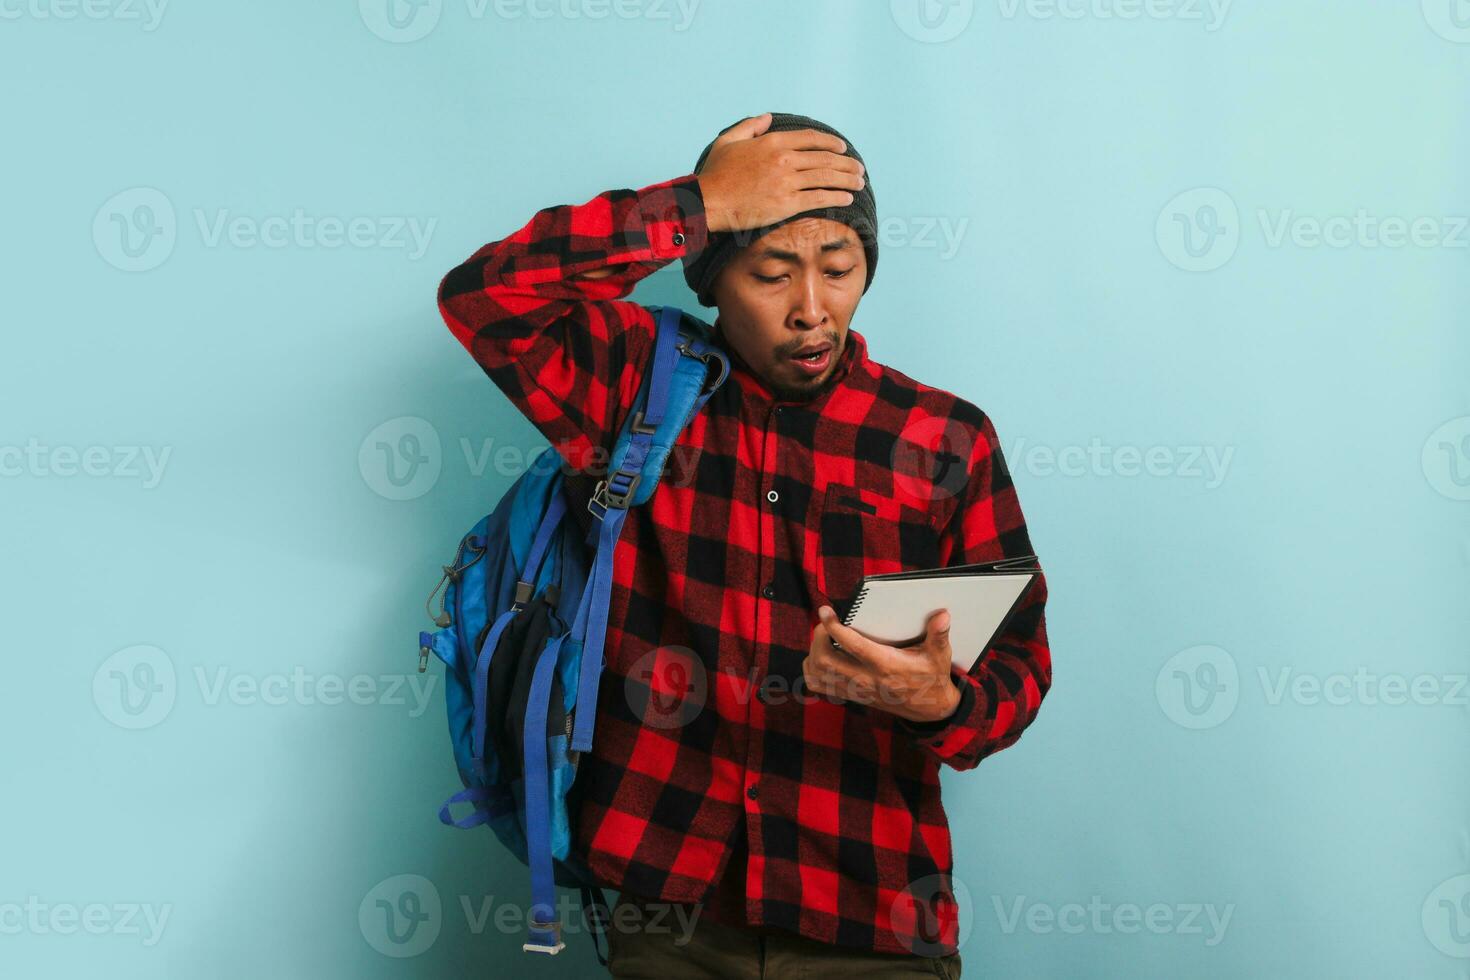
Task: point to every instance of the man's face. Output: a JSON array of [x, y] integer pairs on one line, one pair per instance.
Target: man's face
[[792, 289]]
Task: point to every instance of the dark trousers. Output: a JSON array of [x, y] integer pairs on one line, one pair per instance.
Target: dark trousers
[[655, 940]]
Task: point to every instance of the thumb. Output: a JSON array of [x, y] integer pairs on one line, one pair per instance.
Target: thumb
[[939, 628], [746, 128]]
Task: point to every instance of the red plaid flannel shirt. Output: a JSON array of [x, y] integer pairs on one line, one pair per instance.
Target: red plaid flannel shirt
[[708, 743]]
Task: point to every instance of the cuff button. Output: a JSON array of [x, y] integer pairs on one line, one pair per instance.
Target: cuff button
[[678, 238]]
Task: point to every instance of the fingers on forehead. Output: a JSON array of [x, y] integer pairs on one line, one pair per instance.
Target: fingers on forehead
[[810, 139]]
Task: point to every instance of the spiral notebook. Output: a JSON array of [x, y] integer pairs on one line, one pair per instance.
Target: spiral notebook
[[893, 608]]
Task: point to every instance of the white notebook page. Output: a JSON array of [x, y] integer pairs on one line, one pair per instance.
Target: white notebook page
[[894, 611]]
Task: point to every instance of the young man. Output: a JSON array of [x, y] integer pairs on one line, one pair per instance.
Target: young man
[[794, 797]]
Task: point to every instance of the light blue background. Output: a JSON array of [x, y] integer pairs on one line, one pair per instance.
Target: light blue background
[[1334, 541]]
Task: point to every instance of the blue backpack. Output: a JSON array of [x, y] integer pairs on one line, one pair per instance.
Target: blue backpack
[[522, 625]]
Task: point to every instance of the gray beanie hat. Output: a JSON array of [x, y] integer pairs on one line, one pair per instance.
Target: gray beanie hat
[[861, 215]]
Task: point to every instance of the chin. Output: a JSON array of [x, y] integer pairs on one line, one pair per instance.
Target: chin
[[802, 392]]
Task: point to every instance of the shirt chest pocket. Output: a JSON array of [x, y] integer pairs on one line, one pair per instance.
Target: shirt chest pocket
[[862, 532]]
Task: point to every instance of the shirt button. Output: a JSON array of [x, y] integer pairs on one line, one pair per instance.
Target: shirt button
[[752, 793], [678, 238], [769, 592], [772, 496]]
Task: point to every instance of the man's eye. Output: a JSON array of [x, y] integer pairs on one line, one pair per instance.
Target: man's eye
[[834, 273]]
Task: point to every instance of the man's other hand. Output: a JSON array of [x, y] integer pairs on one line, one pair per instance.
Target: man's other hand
[[911, 682]]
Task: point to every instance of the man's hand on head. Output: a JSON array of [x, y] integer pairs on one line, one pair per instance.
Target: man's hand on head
[[910, 682], [753, 178]]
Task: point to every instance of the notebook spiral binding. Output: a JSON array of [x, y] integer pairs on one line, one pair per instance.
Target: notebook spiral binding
[[856, 602]]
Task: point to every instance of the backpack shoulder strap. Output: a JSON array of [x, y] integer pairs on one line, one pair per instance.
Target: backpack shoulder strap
[[674, 389]]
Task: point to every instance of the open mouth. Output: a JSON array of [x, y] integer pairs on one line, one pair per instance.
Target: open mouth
[[814, 362]]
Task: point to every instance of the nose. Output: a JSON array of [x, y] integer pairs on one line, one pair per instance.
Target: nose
[[811, 307]]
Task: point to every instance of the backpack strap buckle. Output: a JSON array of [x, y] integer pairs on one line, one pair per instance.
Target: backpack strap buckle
[[544, 930], [639, 426], [607, 496], [707, 357]]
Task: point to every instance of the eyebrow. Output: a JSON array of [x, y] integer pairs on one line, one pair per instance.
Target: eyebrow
[[835, 245]]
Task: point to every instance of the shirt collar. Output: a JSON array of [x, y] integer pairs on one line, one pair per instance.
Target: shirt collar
[[850, 365]]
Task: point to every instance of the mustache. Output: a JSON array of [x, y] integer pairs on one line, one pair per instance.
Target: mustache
[[830, 338]]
